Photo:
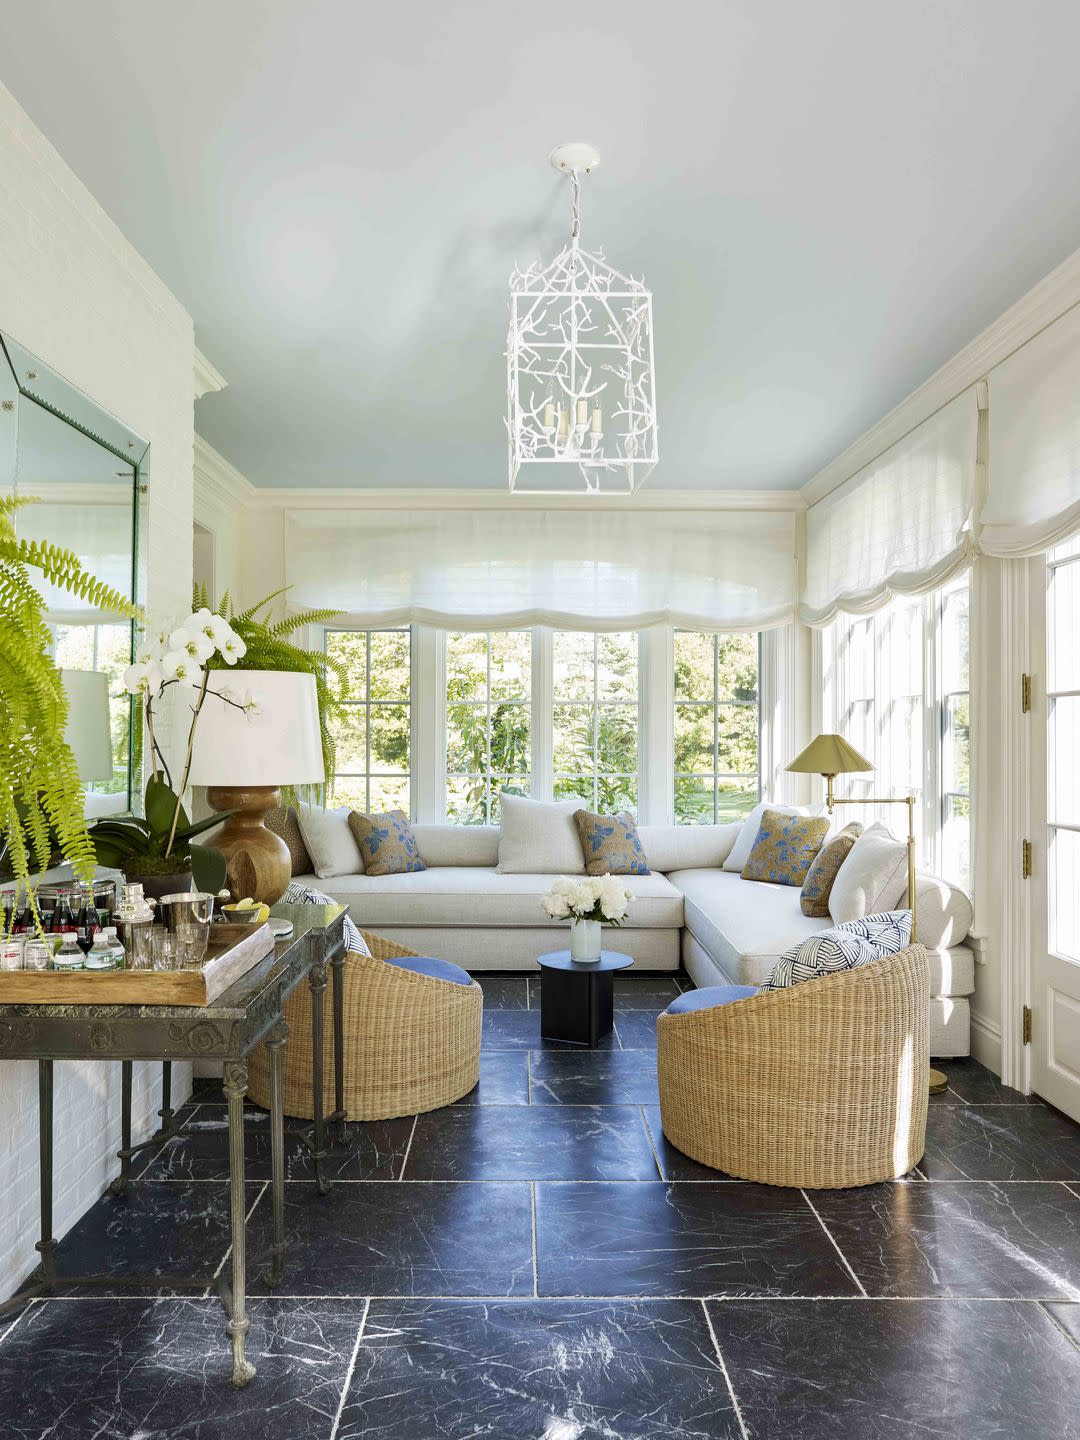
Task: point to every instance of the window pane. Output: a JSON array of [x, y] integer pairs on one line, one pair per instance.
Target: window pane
[[465, 799], [735, 798], [350, 647], [349, 729], [389, 665], [510, 739], [617, 667], [737, 668], [957, 767], [389, 738], [1065, 893], [1064, 647], [616, 738], [466, 739], [515, 784], [693, 666], [694, 796], [511, 665], [350, 790], [737, 739], [579, 786], [466, 665], [1065, 760], [389, 795], [573, 739], [956, 841], [694, 739], [955, 640], [573, 662], [615, 793]]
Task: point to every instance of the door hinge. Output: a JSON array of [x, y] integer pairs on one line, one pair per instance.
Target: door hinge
[[1026, 1024], [1025, 860], [1025, 694]]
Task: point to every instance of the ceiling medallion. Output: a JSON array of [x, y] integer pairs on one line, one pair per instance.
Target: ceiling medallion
[[581, 399]]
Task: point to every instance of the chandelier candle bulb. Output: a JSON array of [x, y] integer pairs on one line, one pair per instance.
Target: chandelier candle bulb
[[597, 421], [564, 423], [582, 412], [549, 416]]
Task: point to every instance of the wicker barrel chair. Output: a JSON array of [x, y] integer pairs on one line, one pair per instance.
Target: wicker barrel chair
[[412, 1043], [821, 1085]]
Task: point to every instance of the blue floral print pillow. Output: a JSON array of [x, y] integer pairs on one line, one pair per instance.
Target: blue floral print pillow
[[785, 847], [386, 842], [611, 844]]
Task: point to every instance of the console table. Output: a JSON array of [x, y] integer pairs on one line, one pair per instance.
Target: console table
[[249, 1013]]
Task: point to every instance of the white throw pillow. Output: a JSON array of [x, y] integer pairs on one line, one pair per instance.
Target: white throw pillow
[[740, 851], [539, 837], [329, 841], [872, 878]]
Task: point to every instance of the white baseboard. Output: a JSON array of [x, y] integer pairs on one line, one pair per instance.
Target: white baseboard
[[986, 1042]]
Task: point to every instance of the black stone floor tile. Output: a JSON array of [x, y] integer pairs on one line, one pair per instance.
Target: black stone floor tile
[[584, 1077], [503, 992], [152, 1230], [674, 1165], [973, 1240], [1000, 1142], [1068, 1317], [636, 1030], [138, 1369], [504, 1079], [682, 1240], [899, 1370], [645, 992], [520, 1030], [974, 1084], [397, 1238], [374, 1150], [543, 1368], [541, 1142]]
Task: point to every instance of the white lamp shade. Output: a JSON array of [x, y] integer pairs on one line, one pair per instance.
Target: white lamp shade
[[280, 744], [87, 730]]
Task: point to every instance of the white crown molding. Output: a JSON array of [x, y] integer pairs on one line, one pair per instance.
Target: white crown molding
[[1046, 302], [208, 378], [329, 498], [215, 476]]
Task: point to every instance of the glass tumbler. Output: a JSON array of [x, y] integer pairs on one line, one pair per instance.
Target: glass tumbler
[[164, 949], [194, 938]]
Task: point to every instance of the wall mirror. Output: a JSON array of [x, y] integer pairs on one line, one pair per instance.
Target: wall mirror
[[87, 474]]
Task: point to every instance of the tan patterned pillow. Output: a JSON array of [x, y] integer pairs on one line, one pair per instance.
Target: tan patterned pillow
[[386, 842], [817, 887], [785, 847], [284, 823], [611, 844]]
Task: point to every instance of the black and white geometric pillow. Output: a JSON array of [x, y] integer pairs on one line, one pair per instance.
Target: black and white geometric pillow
[[297, 894], [845, 947]]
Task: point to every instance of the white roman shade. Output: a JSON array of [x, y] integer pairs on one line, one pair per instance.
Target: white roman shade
[[577, 569], [898, 526], [1033, 491], [100, 535]]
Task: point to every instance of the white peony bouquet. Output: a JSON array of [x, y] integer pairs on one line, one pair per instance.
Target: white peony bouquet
[[588, 897]]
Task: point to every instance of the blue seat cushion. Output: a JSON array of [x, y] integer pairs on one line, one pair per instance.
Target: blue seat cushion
[[435, 969], [709, 997]]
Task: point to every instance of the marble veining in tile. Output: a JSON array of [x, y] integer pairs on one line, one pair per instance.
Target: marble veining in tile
[[1000, 1142], [504, 1079], [613, 1077], [520, 1030]]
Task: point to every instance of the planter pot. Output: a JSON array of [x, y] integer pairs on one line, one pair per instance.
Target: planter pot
[[155, 886], [586, 939]]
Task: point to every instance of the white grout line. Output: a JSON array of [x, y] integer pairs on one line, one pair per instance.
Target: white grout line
[[23, 1312], [536, 1270], [652, 1146], [408, 1149], [247, 1217], [161, 1296], [727, 1378], [835, 1246], [349, 1373], [1070, 1189], [718, 1179]]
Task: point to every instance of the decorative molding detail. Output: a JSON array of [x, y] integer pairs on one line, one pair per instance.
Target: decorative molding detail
[[328, 498], [207, 377], [1044, 303], [215, 476]]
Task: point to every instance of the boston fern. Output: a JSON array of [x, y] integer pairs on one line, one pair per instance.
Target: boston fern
[[41, 795], [271, 646]]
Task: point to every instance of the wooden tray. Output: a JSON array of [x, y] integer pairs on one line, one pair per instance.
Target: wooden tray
[[222, 967]]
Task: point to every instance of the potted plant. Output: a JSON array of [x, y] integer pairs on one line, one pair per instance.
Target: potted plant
[[589, 902], [42, 799], [157, 848]]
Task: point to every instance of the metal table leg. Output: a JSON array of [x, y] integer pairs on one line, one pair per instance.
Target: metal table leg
[[276, 1045], [166, 1111], [124, 1154], [236, 1084], [317, 983], [337, 966]]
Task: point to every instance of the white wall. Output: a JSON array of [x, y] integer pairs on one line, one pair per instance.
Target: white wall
[[76, 294]]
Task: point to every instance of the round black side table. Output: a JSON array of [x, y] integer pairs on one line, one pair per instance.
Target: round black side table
[[576, 1003]]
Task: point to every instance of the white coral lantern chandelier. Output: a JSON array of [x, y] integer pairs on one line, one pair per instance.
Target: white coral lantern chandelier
[[581, 403]]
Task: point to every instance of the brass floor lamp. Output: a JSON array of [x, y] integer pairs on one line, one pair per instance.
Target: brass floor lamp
[[831, 755]]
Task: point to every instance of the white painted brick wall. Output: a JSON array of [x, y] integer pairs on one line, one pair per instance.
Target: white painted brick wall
[[77, 294]]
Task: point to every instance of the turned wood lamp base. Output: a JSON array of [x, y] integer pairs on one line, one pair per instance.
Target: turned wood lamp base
[[257, 861]]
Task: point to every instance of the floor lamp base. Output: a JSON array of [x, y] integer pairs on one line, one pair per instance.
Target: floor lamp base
[[257, 861], [939, 1082]]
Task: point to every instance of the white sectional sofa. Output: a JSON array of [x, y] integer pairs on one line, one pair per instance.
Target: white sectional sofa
[[721, 927]]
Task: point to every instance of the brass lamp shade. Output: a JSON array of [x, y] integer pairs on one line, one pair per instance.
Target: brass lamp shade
[[829, 755]]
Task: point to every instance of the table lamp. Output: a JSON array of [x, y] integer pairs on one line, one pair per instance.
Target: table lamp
[[242, 759], [87, 730], [831, 755]]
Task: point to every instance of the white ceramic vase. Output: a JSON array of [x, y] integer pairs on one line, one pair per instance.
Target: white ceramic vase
[[586, 939]]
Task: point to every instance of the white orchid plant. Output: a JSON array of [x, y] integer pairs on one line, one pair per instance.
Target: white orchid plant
[[588, 897], [159, 842]]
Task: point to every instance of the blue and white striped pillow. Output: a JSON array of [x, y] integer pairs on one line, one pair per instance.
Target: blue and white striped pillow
[[845, 947]]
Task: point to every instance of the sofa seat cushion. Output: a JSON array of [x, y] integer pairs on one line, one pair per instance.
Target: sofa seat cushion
[[432, 968], [745, 925], [709, 998], [477, 896]]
